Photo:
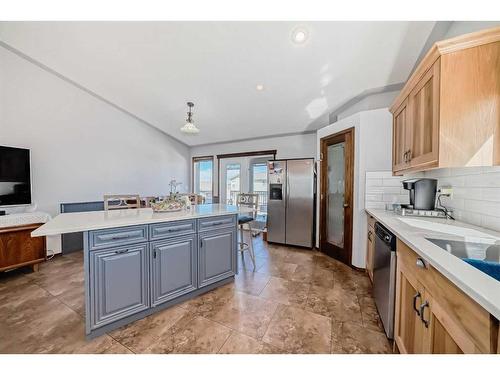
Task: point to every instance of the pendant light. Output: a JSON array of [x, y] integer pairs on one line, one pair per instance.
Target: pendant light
[[190, 127]]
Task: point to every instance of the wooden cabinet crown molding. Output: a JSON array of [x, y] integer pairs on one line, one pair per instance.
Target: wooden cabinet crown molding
[[441, 48]]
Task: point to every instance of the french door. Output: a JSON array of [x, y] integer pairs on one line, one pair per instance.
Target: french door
[[336, 204], [243, 175]]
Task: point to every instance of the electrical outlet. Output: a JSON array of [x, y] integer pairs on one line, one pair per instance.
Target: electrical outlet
[[446, 190]]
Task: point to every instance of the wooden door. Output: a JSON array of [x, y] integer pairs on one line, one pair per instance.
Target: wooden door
[[442, 335], [399, 138], [423, 126], [336, 199], [408, 327]]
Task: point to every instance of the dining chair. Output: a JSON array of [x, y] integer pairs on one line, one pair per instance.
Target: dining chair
[[121, 201], [245, 221]]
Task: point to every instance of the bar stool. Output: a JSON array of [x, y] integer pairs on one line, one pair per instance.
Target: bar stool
[[245, 222]]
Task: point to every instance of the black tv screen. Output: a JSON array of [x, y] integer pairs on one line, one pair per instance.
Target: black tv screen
[[15, 177]]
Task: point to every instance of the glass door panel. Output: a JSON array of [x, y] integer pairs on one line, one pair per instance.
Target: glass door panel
[[335, 194], [232, 182], [259, 184], [203, 179]]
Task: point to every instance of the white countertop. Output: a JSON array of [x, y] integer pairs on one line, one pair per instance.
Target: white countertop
[[482, 288], [83, 221]]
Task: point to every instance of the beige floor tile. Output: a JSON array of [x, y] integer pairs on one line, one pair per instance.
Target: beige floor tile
[[278, 269], [251, 282], [314, 275], [358, 339], [287, 292], [335, 303], [141, 334], [369, 313], [199, 336], [210, 301], [246, 314], [297, 331]]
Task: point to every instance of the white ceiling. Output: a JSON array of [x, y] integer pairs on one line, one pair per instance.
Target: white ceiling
[[152, 69]]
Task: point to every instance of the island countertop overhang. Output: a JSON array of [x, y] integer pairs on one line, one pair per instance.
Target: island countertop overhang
[[93, 220]]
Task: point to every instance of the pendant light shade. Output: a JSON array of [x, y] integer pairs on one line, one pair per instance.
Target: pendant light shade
[[190, 127]]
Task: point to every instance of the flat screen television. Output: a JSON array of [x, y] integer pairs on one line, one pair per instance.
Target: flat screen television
[[15, 176]]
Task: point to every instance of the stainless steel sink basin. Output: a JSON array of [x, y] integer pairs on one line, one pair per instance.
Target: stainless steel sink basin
[[484, 255]]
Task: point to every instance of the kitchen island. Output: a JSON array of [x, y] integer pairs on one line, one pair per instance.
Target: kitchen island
[[138, 262]]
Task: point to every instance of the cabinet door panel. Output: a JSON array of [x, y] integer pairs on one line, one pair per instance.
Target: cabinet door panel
[[423, 104], [120, 282], [443, 335], [217, 256], [173, 268], [399, 139], [408, 326]]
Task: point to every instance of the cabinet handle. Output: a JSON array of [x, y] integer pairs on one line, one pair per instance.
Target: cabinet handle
[[121, 251], [405, 159], [409, 155], [369, 235], [420, 263], [154, 254], [201, 243], [422, 308], [415, 303]]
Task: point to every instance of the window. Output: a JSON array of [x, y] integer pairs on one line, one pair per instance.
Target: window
[[203, 171]]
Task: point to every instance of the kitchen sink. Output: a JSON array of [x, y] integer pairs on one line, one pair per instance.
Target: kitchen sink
[[483, 255]]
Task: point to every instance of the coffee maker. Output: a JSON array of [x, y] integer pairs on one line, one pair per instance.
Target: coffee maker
[[422, 193]]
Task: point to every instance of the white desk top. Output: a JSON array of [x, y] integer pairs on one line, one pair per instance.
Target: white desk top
[[83, 221], [482, 288]]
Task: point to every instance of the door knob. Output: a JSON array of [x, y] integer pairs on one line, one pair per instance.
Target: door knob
[[346, 205]]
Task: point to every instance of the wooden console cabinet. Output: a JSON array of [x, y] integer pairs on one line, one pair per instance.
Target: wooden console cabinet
[[448, 113], [370, 247], [434, 316], [18, 248]]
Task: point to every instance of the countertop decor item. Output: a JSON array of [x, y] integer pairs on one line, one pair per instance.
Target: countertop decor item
[[174, 202]]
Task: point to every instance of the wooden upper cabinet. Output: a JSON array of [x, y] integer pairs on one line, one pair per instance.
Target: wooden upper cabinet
[[423, 103], [400, 145], [448, 113]]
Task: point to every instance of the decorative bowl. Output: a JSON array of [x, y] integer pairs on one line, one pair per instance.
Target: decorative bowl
[[167, 206]]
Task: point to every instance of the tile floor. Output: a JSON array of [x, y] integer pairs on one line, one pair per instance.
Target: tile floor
[[298, 301]]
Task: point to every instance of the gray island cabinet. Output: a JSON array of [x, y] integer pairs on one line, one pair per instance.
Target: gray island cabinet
[[131, 272], [137, 262]]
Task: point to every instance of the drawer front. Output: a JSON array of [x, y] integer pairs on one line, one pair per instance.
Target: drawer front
[[217, 222], [174, 229], [101, 239]]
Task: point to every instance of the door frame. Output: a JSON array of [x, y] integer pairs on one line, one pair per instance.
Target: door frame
[[346, 136]]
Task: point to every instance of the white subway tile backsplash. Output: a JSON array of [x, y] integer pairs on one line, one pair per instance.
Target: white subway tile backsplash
[[476, 193], [392, 182], [373, 197], [490, 194], [375, 205], [379, 174], [374, 182]]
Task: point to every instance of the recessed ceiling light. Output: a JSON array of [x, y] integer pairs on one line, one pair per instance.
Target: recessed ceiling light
[[299, 35], [259, 87]]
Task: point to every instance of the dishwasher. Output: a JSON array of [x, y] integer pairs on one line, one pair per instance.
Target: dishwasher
[[384, 276]]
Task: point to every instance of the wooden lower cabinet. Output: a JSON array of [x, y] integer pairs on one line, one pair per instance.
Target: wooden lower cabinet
[[433, 316], [370, 247], [19, 249]]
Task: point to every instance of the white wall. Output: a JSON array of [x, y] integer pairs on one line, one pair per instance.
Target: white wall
[[465, 27], [290, 146], [373, 145], [373, 101], [81, 147]]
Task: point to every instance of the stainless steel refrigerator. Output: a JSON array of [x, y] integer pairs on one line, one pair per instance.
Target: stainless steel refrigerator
[[290, 207]]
